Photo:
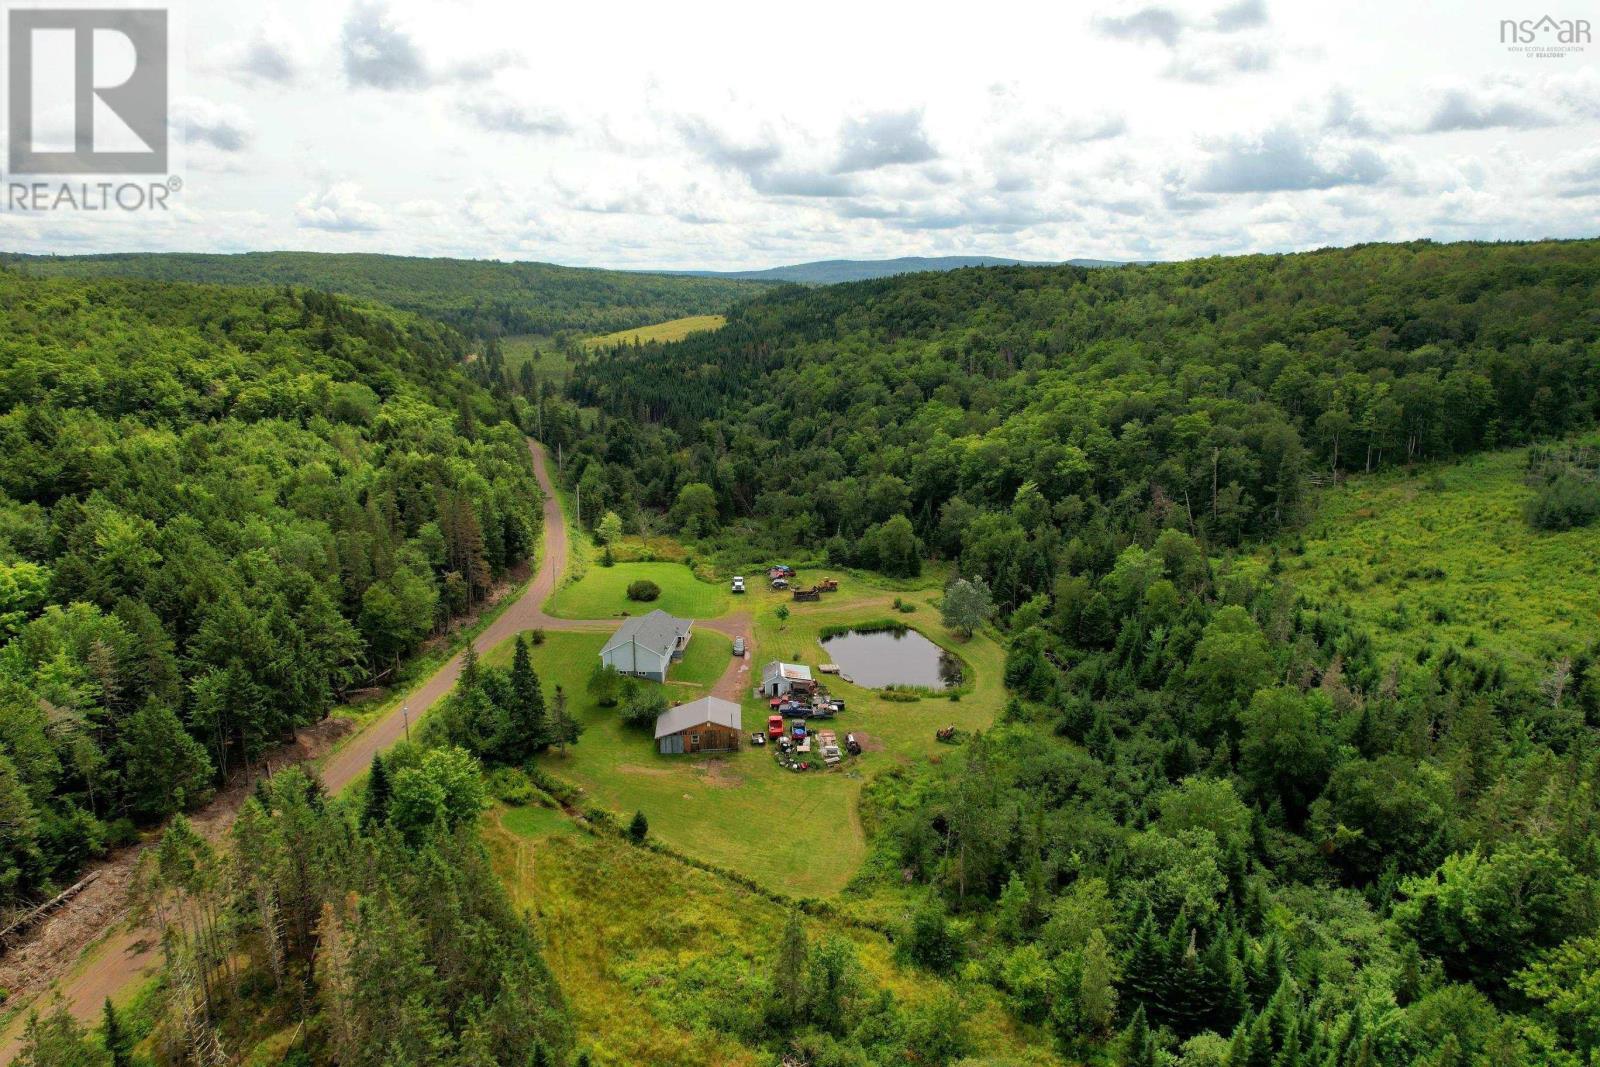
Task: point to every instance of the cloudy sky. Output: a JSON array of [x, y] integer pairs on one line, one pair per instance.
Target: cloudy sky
[[733, 135]]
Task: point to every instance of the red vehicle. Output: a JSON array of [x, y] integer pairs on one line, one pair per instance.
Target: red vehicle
[[775, 726]]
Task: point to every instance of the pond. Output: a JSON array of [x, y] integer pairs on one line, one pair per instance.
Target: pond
[[899, 656]]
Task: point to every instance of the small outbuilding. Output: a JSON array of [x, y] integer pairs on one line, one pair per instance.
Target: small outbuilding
[[709, 724], [646, 645], [779, 679]]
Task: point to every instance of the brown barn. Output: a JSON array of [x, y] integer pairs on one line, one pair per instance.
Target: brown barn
[[710, 724]]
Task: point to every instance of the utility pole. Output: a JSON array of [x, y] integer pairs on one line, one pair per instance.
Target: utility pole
[[405, 714]]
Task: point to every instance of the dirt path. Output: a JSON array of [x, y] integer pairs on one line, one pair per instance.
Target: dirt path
[[128, 955], [735, 680]]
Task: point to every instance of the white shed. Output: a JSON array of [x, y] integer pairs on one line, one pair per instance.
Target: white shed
[[779, 678]]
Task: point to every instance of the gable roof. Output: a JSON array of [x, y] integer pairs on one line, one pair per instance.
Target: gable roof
[[698, 712], [793, 672], [657, 631]]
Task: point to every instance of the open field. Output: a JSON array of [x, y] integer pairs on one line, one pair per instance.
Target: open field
[[794, 832], [1443, 556], [674, 330], [601, 593], [649, 950], [550, 364]]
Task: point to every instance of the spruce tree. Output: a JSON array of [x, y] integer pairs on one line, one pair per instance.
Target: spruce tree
[[528, 730], [1138, 1045], [116, 1039], [375, 806]]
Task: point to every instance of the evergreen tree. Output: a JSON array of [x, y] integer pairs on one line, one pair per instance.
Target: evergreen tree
[[375, 805], [788, 972], [526, 726], [638, 828], [118, 1043], [1138, 1044]]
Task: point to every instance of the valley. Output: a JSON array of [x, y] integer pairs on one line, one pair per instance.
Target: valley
[[1270, 581]]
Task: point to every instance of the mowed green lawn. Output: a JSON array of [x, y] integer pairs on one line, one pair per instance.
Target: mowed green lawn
[[1444, 557], [602, 593], [795, 832]]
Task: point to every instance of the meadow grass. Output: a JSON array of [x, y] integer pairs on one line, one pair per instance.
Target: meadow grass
[[649, 951], [1443, 556], [550, 364], [671, 330], [602, 593]]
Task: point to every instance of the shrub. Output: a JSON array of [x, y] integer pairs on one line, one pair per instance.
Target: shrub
[[1566, 502], [644, 590], [511, 786]]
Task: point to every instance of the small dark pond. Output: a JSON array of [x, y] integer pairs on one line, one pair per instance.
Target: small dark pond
[[893, 657]]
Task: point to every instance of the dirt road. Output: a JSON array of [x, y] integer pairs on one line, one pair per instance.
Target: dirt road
[[129, 955]]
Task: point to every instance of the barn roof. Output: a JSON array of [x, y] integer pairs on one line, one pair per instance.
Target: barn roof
[[657, 631], [697, 713]]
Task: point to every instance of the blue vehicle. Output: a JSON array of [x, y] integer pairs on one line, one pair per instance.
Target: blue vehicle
[[798, 729]]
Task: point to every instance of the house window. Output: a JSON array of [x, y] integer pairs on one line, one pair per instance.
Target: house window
[[694, 739]]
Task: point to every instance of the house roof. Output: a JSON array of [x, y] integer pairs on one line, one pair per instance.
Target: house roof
[[697, 713], [657, 631], [792, 672]]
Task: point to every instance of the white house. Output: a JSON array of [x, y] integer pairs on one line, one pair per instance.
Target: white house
[[779, 678], [646, 645]]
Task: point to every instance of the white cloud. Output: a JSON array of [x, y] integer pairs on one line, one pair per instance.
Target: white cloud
[[340, 208]]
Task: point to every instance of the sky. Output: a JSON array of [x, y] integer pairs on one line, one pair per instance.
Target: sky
[[726, 135]]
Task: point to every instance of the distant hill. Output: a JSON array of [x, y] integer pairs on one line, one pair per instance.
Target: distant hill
[[831, 271], [480, 297]]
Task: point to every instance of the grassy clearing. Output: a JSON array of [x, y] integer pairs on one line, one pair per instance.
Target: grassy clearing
[[673, 330], [648, 950], [1444, 557], [794, 832], [602, 593], [550, 364]]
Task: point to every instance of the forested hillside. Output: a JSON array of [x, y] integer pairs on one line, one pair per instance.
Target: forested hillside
[[1029, 420], [219, 509], [478, 297], [1217, 824]]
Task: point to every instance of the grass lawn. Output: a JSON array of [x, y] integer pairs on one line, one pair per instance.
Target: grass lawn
[[672, 330], [703, 662], [646, 949], [1443, 556], [601, 593], [534, 820]]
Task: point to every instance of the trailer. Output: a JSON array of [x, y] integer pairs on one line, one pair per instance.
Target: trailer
[[810, 595]]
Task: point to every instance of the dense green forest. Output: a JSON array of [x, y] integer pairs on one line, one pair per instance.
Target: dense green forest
[[1214, 827], [1025, 419], [374, 936], [220, 509], [479, 297]]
